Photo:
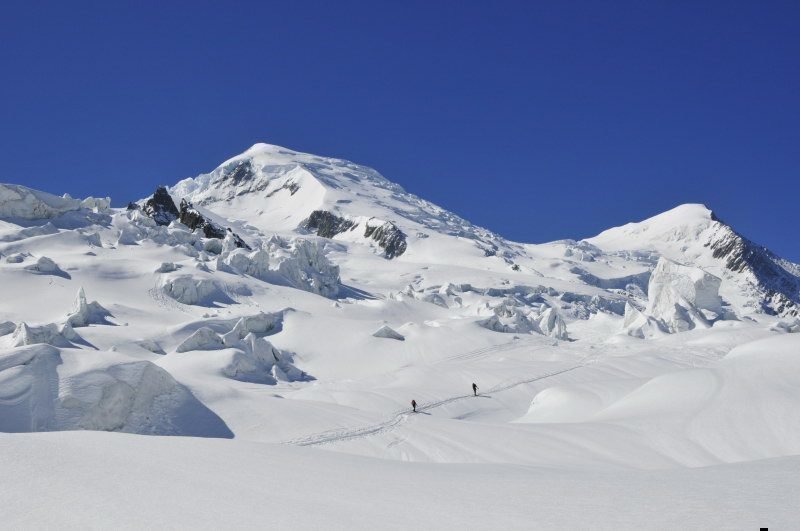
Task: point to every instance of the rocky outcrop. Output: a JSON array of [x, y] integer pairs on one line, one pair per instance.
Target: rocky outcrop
[[161, 207], [385, 233], [327, 224], [389, 237], [777, 280], [241, 171], [192, 218]]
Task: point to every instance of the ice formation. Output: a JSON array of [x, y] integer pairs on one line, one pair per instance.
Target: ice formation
[[683, 297], [637, 324], [45, 265], [187, 289], [304, 265], [389, 333], [6, 327], [85, 313], [18, 201], [135, 397], [790, 327], [253, 263], [261, 324], [50, 334], [257, 360], [512, 316], [202, 339]]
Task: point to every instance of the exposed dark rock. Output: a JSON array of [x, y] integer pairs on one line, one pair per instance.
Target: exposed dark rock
[[161, 207], [327, 224], [238, 240], [389, 237], [242, 171], [133, 206], [781, 288], [193, 219], [291, 186], [488, 251]]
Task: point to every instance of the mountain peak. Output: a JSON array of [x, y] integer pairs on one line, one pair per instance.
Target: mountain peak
[[684, 222], [684, 214], [687, 211], [263, 148]]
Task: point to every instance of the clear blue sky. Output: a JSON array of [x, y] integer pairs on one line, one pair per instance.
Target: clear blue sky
[[539, 120]]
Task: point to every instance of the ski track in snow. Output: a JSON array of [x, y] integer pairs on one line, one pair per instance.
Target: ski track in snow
[[485, 351], [401, 417]]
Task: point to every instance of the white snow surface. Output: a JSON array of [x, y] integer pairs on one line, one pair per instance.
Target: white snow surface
[[625, 381]]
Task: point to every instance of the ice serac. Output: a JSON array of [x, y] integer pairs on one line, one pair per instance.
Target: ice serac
[[50, 334], [514, 316], [258, 361], [85, 313], [190, 290], [388, 332], [203, 339], [21, 202], [137, 397], [46, 266], [637, 324], [304, 265], [683, 297]]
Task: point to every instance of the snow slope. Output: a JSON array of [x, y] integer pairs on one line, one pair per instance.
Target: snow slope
[[208, 484], [302, 301]]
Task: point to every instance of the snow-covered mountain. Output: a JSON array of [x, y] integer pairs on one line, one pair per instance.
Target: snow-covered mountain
[[275, 190], [694, 234], [290, 298]]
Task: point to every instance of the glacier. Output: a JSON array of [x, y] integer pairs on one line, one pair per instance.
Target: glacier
[[276, 315]]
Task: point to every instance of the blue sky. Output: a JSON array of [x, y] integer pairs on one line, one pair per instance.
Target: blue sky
[[539, 120]]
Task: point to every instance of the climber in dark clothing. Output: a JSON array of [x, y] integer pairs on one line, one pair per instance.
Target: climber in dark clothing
[[475, 389], [414, 405]]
